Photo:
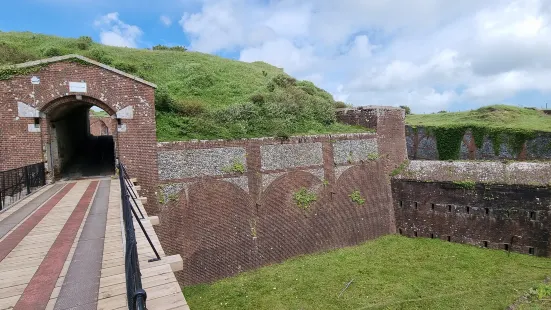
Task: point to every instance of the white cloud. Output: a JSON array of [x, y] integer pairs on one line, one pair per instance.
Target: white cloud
[[115, 32], [430, 54], [166, 20]]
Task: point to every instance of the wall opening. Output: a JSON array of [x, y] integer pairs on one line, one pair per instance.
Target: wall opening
[[100, 122], [532, 215], [416, 204], [75, 151], [468, 209], [486, 211], [531, 251], [432, 206], [485, 244], [449, 238], [506, 246], [415, 233], [449, 208]]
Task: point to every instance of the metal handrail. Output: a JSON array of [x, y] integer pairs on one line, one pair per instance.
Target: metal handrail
[[19, 182], [136, 295]]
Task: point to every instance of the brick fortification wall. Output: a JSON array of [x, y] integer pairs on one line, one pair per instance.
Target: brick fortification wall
[[487, 204], [229, 206], [421, 144], [100, 126], [389, 123], [22, 143]]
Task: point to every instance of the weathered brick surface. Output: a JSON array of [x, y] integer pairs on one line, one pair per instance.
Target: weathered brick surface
[[480, 203], [108, 90], [221, 228], [389, 123], [100, 126], [490, 215]]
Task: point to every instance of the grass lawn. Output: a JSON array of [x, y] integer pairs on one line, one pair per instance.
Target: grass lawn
[[495, 116], [392, 272]]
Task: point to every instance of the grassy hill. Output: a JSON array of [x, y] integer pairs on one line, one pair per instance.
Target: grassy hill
[[494, 116], [392, 272], [500, 123], [200, 96]]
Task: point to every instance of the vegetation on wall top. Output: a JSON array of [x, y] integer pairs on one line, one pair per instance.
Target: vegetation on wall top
[[200, 96], [495, 122]]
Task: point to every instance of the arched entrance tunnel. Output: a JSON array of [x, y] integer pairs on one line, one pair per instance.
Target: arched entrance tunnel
[[74, 151]]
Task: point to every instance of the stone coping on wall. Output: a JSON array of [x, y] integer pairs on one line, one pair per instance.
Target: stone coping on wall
[[522, 173], [369, 107], [174, 145]]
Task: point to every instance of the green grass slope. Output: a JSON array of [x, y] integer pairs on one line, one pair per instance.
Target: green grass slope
[[200, 96], [392, 272], [494, 116], [500, 123]]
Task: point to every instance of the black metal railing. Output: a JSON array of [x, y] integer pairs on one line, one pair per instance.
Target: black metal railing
[[136, 295], [19, 182]]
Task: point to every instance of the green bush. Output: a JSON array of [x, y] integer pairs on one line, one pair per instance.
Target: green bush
[[177, 48], [163, 100], [84, 42], [126, 67], [340, 105], [283, 80], [100, 56], [408, 109], [52, 51], [12, 55], [188, 107], [257, 98]]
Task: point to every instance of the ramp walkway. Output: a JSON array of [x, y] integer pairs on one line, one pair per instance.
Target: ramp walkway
[[63, 247]]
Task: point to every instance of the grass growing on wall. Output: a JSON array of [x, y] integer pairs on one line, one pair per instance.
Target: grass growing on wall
[[200, 96], [496, 122], [392, 272]]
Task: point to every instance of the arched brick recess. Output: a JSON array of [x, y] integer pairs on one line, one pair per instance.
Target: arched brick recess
[[215, 231], [343, 222], [172, 218], [284, 229]]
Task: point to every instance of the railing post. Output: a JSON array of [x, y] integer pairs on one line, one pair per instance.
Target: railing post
[[27, 179]]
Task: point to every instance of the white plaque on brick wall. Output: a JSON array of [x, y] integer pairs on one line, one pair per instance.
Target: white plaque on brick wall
[[77, 87]]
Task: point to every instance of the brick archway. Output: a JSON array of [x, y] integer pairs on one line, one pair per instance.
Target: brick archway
[[73, 111], [45, 91]]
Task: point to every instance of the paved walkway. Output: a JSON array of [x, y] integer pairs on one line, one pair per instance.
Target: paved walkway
[[63, 248]]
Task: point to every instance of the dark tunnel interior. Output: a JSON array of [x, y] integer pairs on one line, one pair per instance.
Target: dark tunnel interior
[[75, 152]]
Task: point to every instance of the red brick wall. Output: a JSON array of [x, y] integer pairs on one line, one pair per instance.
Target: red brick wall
[[110, 91], [390, 125], [100, 126], [220, 229]]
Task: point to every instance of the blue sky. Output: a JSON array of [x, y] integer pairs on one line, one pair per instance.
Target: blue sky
[[432, 55]]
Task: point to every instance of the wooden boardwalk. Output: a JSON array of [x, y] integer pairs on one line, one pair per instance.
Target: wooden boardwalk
[[50, 255]]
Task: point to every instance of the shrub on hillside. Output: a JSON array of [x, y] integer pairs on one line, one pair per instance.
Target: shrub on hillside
[[340, 105], [126, 67], [163, 100], [176, 48], [188, 107], [12, 55], [84, 42], [257, 98], [52, 51], [100, 55], [283, 80], [408, 109]]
